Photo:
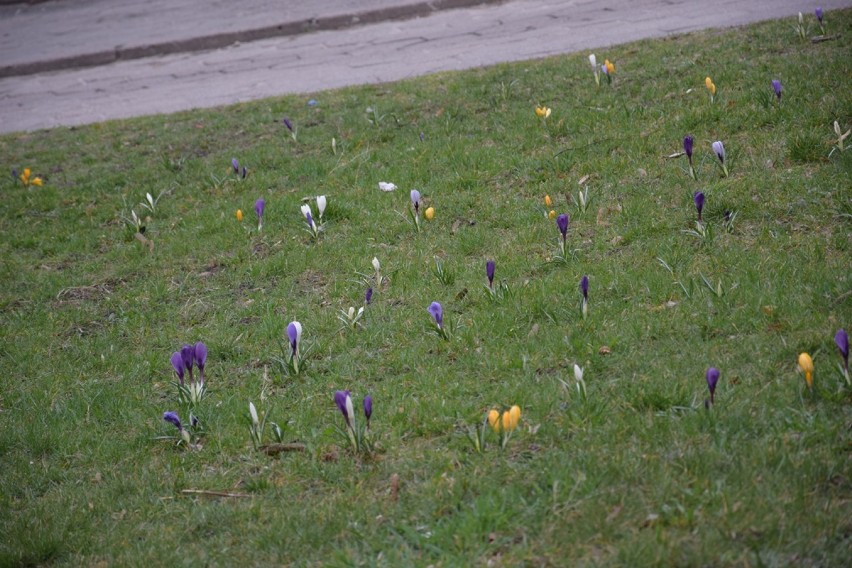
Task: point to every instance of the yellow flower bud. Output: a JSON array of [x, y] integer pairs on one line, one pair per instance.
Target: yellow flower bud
[[552, 214], [494, 420], [806, 365], [548, 202], [240, 215], [542, 111], [429, 213], [37, 181], [710, 85], [610, 68], [514, 416]]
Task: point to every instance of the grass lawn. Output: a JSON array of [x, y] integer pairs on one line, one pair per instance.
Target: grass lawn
[[635, 472]]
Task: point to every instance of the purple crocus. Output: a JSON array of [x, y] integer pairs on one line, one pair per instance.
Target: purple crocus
[[309, 219], [344, 403], [584, 288], [712, 377], [200, 358], [699, 203], [236, 165], [368, 297], [687, 146], [259, 206], [172, 418], [841, 339], [187, 354], [415, 199], [288, 124], [245, 172], [818, 14], [294, 333], [177, 364], [368, 407], [719, 149], [562, 224], [438, 313], [489, 272], [776, 86]]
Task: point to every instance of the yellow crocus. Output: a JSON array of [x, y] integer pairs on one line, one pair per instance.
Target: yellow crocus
[[494, 419], [548, 202], [610, 68], [711, 86], [429, 213], [542, 111], [552, 214], [514, 417], [806, 365], [37, 181], [240, 215]]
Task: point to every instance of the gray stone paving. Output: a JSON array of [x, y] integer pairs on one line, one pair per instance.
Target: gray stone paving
[[385, 51]]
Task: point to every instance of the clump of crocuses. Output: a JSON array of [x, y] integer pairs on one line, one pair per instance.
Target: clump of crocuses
[[504, 424], [191, 387], [235, 164], [841, 339], [437, 312], [719, 150], [356, 432]]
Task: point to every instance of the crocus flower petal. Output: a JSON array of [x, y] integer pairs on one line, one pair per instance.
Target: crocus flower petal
[[368, 406], [719, 149], [259, 206], [578, 373], [415, 198], [494, 419], [236, 165], [593, 61], [584, 287], [386, 186], [253, 412], [687, 145], [489, 271], [437, 312], [376, 264], [200, 355], [294, 333], [172, 418], [841, 339], [368, 297], [818, 14], [340, 399], [699, 202], [187, 353], [776, 86], [177, 365], [712, 377], [562, 223], [288, 124]]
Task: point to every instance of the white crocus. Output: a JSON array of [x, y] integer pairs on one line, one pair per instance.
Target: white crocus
[[253, 411], [350, 412], [306, 210], [578, 373], [593, 60], [376, 264], [321, 203], [387, 186]]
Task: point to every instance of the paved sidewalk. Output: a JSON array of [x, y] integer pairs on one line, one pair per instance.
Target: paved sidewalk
[[349, 53]]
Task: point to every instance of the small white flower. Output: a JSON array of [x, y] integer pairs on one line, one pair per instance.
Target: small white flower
[[350, 412], [376, 265], [594, 61], [578, 373], [360, 311], [253, 411], [387, 186], [306, 210], [351, 312], [321, 203]]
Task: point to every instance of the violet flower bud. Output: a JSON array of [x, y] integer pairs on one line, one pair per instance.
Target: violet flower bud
[[562, 224], [841, 339], [294, 333], [177, 365], [343, 402], [259, 206], [776, 86], [187, 354], [712, 377], [201, 358], [687, 146], [368, 297], [489, 272], [245, 172], [699, 202], [438, 313], [368, 407], [415, 199], [719, 148], [584, 287], [172, 418], [288, 124], [236, 165], [818, 14]]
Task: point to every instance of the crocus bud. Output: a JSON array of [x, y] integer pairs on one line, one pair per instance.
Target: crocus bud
[[376, 264], [562, 224], [253, 413], [172, 418], [489, 272], [437, 312], [806, 365], [699, 202], [201, 357], [687, 146], [368, 297], [712, 377], [236, 165], [841, 339], [368, 407], [584, 287], [719, 149], [415, 199], [321, 203], [344, 403], [494, 419], [177, 364], [294, 333]]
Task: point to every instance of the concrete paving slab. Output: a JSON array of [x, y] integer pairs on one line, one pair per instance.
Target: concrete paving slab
[[387, 51]]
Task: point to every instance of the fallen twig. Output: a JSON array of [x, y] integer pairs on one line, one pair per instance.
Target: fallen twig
[[212, 493], [818, 39]]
